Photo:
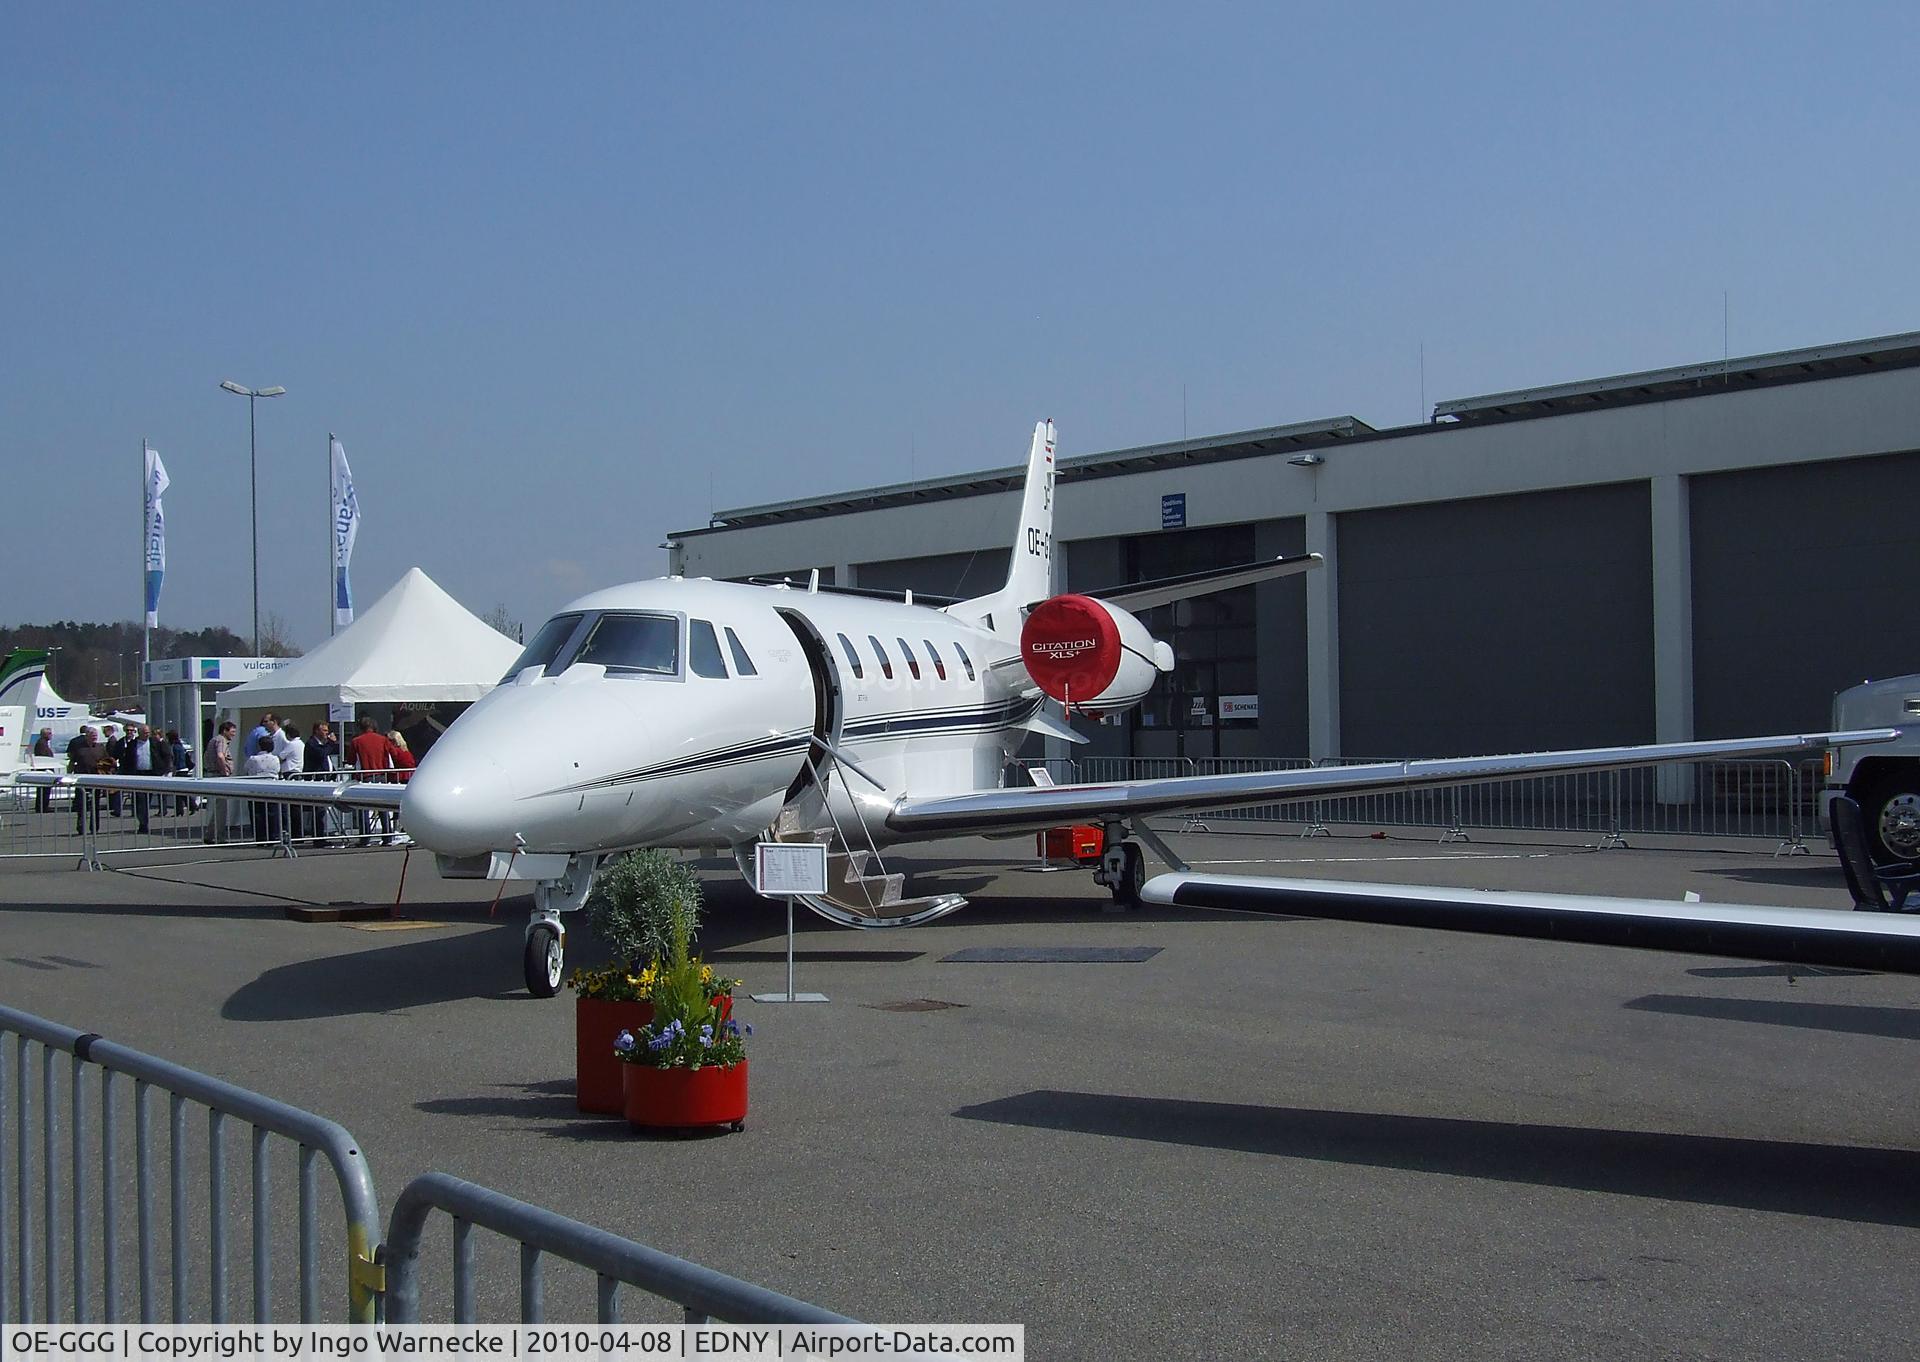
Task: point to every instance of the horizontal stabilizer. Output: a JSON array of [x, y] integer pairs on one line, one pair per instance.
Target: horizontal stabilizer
[[1166, 590], [1832, 937]]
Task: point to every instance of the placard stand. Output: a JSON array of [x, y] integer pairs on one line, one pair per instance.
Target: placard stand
[[782, 869]]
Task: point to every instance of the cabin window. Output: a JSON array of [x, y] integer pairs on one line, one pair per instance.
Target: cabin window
[[634, 643], [886, 667], [913, 663], [742, 664], [965, 661], [933, 656], [703, 650], [853, 658], [546, 644]]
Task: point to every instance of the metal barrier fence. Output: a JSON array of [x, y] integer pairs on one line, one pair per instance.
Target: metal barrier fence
[[1773, 798], [379, 1280], [702, 1293], [102, 1239], [90, 827]]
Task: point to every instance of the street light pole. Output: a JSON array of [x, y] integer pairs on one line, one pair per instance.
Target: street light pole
[[253, 474]]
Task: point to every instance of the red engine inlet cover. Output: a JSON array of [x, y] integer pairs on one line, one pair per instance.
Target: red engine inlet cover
[[1071, 647]]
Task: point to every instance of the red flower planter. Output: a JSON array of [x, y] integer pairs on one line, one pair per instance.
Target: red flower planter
[[680, 1098], [596, 1072]]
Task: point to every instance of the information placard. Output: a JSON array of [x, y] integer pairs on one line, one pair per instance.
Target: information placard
[[781, 868]]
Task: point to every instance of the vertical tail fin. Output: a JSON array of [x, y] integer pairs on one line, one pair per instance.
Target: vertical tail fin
[[1030, 566], [20, 676]]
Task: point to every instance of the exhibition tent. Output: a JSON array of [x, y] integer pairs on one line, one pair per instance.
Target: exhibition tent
[[416, 645]]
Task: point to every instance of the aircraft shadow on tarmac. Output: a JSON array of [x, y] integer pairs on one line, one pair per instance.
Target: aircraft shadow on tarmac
[[1819, 873], [1847, 1019], [434, 968], [1835, 1182]]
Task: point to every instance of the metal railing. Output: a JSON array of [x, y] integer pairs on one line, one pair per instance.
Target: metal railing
[[1772, 798], [92, 826], [702, 1293], [88, 1225], [102, 1239]]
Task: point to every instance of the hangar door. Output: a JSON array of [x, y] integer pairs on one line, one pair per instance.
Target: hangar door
[[1799, 589], [1500, 624]]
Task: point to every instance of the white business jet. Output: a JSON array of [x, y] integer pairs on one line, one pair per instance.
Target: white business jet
[[699, 714]]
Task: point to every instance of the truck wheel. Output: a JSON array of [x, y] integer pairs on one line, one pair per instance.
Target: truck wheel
[[1892, 809]]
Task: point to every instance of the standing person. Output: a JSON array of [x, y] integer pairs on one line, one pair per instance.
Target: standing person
[[219, 763], [85, 757], [268, 726], [262, 765], [180, 759], [290, 750], [323, 755], [403, 772], [144, 755], [43, 747], [369, 753], [115, 748]]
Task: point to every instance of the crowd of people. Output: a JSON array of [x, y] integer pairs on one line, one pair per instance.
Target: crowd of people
[[274, 749], [136, 750]]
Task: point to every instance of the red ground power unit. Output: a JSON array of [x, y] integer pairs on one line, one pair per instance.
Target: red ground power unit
[[1078, 843]]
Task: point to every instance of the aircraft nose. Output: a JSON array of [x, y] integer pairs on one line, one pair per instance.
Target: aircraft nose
[[459, 807]]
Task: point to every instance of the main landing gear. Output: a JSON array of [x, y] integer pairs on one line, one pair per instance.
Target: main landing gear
[[1123, 867], [544, 957]]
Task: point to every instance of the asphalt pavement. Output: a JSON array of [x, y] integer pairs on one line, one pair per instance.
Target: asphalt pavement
[[1274, 1138]]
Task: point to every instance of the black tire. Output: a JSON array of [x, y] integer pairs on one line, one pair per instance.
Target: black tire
[[1133, 876], [544, 960], [1891, 811]]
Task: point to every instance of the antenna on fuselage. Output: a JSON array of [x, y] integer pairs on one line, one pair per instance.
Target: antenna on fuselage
[[813, 581]]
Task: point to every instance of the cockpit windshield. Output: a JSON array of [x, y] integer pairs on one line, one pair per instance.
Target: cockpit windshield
[[633, 643], [546, 644]]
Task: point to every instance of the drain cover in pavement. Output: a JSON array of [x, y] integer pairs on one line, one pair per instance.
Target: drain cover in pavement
[[1051, 955], [914, 1005]]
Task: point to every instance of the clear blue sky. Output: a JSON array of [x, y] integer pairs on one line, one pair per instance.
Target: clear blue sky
[[565, 278]]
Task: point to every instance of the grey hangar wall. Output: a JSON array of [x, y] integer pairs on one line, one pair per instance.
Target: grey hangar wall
[[1707, 551]]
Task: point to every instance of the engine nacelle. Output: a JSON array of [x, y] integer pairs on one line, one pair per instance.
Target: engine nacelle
[[1090, 655]]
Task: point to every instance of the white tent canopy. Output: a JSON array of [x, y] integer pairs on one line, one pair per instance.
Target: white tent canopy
[[415, 645]]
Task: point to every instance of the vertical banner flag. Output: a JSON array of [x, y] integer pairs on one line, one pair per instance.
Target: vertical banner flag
[[156, 522], [346, 527]]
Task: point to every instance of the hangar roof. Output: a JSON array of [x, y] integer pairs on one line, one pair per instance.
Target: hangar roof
[[1689, 380], [1654, 385], [1244, 444]]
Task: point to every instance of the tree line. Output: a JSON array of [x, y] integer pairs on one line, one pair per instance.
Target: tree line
[[102, 661]]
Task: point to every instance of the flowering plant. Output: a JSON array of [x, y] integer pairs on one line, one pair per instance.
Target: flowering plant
[[613, 983], [687, 1030], [637, 904]]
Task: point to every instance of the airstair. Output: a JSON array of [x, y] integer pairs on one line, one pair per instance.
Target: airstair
[[854, 897]]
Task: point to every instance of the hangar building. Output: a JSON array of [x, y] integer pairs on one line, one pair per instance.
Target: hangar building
[[1704, 551]]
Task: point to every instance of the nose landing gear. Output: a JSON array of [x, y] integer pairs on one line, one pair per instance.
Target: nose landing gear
[[544, 957]]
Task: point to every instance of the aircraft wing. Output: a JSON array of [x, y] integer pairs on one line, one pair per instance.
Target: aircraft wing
[[339, 794], [1027, 808], [1886, 942]]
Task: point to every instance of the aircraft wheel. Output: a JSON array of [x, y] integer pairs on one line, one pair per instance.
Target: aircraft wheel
[[1133, 876], [1892, 811], [545, 960]]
